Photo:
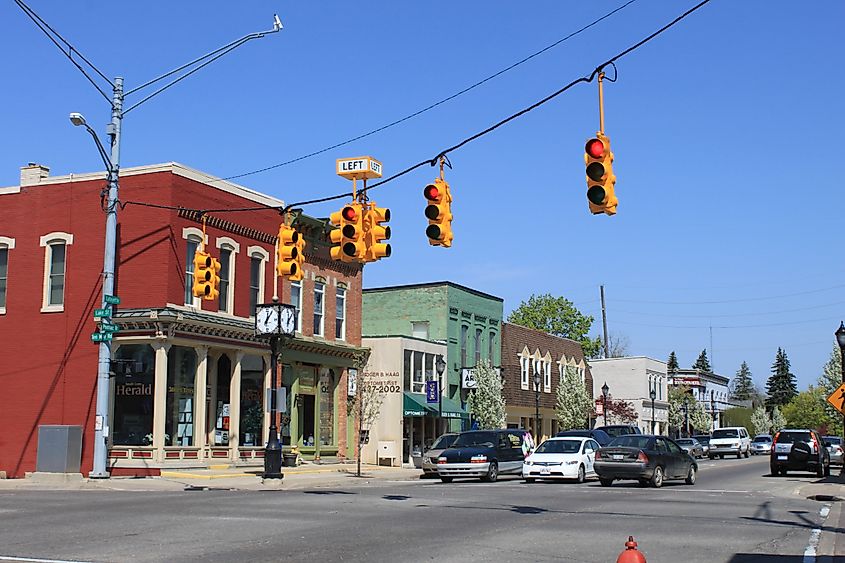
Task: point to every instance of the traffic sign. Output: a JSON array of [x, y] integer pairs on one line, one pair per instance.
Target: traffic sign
[[359, 168], [111, 299], [102, 312], [837, 399], [101, 336], [109, 327]]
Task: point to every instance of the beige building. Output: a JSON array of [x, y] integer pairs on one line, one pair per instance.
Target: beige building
[[632, 379]]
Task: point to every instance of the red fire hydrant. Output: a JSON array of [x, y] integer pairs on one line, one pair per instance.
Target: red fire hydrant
[[631, 553]]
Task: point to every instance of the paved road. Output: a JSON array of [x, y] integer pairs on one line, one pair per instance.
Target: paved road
[[735, 513]]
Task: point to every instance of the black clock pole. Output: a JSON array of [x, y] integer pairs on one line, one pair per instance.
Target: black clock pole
[[273, 451]]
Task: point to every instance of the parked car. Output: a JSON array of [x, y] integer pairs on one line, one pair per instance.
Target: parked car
[[645, 458], [834, 448], [733, 440], [761, 444], [616, 430], [429, 464], [599, 436], [691, 446], [561, 458], [485, 454], [799, 450], [704, 440]]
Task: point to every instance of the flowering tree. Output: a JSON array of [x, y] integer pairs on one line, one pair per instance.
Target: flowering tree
[[761, 421], [486, 403], [573, 405], [620, 412], [778, 420]]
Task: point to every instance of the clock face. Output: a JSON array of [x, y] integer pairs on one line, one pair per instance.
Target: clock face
[[267, 320], [288, 320]]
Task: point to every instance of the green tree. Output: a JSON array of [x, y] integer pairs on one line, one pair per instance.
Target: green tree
[[573, 404], [743, 385], [486, 403], [672, 364], [700, 419], [702, 362], [694, 413], [761, 421], [829, 381], [781, 386], [558, 316], [806, 410]]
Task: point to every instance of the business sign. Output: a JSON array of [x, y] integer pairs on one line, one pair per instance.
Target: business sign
[[431, 394], [599, 407], [468, 377], [359, 168], [692, 381], [351, 382]]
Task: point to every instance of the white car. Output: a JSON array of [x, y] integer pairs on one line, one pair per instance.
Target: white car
[[569, 457], [733, 440]]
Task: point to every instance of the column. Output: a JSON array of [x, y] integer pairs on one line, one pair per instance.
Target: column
[[211, 416], [200, 394], [160, 400], [235, 407]]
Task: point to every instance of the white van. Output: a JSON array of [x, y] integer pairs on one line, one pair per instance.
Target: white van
[[733, 440]]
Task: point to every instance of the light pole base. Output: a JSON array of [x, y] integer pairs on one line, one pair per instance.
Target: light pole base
[[273, 464], [98, 475]]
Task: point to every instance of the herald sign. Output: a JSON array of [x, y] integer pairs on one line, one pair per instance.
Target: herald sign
[[359, 168]]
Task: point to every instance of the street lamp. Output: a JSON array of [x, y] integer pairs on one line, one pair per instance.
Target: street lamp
[[440, 366], [840, 339], [604, 390], [536, 401], [653, 395], [713, 409]]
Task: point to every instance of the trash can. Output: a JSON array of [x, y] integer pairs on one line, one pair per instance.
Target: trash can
[[59, 449], [289, 460]]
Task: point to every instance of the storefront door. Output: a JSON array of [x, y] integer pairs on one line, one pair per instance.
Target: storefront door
[[306, 421]]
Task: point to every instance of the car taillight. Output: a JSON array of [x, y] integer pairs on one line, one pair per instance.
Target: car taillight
[[441, 460], [775, 440], [598, 454], [478, 459], [642, 457], [815, 443]]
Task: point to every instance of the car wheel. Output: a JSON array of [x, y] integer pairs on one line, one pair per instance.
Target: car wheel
[[739, 453], [492, 473], [783, 471], [691, 475], [773, 470], [581, 474], [747, 453], [827, 470], [712, 457], [721, 456], [446, 479], [605, 482], [657, 477]]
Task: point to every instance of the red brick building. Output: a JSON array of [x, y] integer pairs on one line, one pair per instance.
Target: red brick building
[[191, 388], [523, 349]]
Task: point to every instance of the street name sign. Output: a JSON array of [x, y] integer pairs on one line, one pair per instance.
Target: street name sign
[[359, 168], [111, 299], [109, 327], [102, 312], [837, 399], [101, 336]]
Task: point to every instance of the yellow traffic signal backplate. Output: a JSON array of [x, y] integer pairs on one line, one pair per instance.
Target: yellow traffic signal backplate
[[837, 399]]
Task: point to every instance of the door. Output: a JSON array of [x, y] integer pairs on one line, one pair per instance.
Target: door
[[680, 459], [306, 421], [664, 458]]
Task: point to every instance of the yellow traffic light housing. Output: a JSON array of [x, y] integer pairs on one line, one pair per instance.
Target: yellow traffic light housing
[[348, 238], [600, 178], [375, 233], [439, 213], [290, 258], [206, 276]]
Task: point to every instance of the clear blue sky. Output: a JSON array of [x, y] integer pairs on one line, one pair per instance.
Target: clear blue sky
[[727, 132]]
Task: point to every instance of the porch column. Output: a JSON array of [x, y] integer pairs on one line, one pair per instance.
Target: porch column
[[211, 417], [160, 399], [235, 407], [268, 376], [200, 394]]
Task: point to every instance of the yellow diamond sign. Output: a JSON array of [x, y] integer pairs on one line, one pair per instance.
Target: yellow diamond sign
[[837, 399]]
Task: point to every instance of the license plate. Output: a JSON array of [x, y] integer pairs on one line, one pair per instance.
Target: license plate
[[618, 456], [782, 457]]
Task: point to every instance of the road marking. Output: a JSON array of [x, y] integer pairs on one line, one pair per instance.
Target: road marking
[[810, 552], [32, 560], [824, 511]]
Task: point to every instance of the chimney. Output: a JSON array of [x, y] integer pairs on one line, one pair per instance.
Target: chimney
[[33, 173]]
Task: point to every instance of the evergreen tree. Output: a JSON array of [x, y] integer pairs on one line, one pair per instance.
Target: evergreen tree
[[672, 364], [702, 362], [486, 403], [781, 386], [743, 385], [573, 403]]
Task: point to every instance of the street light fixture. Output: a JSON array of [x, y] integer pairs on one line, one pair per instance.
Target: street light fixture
[[653, 395], [440, 366], [713, 409], [604, 391], [840, 339], [536, 401]]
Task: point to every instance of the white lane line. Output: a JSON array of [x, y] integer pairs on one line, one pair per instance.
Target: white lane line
[[824, 511], [33, 560], [810, 551]]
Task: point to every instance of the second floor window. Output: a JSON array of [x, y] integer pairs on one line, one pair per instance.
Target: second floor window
[[56, 283], [523, 372], [319, 307], [490, 344], [225, 278], [464, 336], [340, 315], [4, 274], [193, 244], [296, 301], [254, 282], [477, 346]]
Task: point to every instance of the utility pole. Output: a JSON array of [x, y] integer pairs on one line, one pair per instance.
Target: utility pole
[[604, 321]]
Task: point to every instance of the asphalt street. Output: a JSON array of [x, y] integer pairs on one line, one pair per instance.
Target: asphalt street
[[735, 513]]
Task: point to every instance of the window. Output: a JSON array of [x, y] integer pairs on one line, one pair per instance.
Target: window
[[4, 274], [407, 369], [252, 400], [477, 346], [340, 314], [179, 408], [464, 335], [225, 279], [418, 368], [193, 244], [523, 372], [55, 255], [134, 389], [490, 344], [418, 385], [547, 376], [296, 301], [419, 329], [258, 257], [319, 307]]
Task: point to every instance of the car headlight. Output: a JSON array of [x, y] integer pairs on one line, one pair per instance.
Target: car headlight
[[736, 445], [529, 462]]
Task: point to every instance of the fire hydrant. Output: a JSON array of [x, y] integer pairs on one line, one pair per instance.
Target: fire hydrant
[[631, 553]]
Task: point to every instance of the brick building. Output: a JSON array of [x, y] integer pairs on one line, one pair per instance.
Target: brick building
[[192, 385], [521, 346]]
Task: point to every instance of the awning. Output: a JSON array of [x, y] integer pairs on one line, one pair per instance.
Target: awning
[[414, 405], [452, 409]]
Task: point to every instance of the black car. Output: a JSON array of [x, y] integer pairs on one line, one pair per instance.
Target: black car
[[599, 436], [616, 430], [799, 450], [484, 454], [645, 458]]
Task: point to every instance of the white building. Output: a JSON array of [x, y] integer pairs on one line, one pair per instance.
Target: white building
[[709, 389], [632, 379]]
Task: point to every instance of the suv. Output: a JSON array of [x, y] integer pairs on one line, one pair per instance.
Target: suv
[[616, 430], [799, 450], [733, 440], [485, 454]]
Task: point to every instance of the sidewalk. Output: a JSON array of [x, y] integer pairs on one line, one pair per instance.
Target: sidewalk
[[829, 491], [220, 477]]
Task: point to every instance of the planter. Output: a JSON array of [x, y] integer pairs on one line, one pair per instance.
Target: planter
[[289, 460]]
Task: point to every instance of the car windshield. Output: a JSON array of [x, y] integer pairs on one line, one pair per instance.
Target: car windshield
[[616, 431], [444, 442], [475, 439], [762, 439], [833, 440], [792, 437], [631, 441], [559, 447], [725, 434]]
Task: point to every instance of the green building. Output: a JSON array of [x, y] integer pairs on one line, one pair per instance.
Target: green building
[[468, 321]]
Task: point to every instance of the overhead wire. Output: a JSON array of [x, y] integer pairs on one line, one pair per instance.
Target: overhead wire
[[723, 301], [736, 315]]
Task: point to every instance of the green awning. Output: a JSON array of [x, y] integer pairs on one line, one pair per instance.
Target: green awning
[[414, 405], [452, 409]]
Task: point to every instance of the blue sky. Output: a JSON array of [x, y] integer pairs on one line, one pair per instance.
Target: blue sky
[[726, 132]]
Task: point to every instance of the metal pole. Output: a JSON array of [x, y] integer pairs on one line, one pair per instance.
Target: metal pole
[[652, 414], [101, 421], [273, 451], [604, 321], [440, 402], [842, 366], [601, 103], [536, 412]]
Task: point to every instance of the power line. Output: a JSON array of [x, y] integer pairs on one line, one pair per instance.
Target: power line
[[737, 315], [699, 327], [435, 104], [743, 300]]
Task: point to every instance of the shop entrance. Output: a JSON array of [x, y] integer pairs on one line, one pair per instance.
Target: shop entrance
[[306, 421]]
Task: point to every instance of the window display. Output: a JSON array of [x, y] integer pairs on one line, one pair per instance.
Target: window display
[[134, 391], [181, 376]]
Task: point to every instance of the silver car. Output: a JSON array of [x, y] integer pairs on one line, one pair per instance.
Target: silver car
[[835, 448], [429, 463], [761, 444]]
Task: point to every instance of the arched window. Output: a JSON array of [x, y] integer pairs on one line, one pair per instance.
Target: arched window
[[55, 267]]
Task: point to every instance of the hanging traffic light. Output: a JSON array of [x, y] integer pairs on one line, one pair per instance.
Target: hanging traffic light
[[290, 258], [376, 233], [600, 179], [206, 276], [439, 213], [348, 238]]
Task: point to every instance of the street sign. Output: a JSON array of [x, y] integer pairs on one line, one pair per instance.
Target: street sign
[[111, 299], [102, 312], [431, 395], [599, 407], [109, 327], [362, 167], [101, 336], [837, 399]]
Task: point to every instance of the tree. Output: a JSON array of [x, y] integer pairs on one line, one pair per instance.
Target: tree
[[807, 410], [742, 388], [778, 420], [365, 407], [557, 316], [617, 345], [699, 419], [761, 421], [672, 364], [573, 404], [829, 381], [702, 362], [781, 386], [620, 412], [684, 409], [486, 403]]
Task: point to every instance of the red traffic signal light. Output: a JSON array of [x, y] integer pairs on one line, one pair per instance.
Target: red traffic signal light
[[600, 178]]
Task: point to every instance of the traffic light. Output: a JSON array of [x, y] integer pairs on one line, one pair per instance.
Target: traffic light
[[600, 178], [439, 213], [206, 276], [376, 233], [290, 258], [348, 238]]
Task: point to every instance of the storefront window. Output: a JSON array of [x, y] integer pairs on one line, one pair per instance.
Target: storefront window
[[419, 382], [327, 385], [134, 390], [252, 400], [223, 408], [407, 370], [181, 374], [287, 383]]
